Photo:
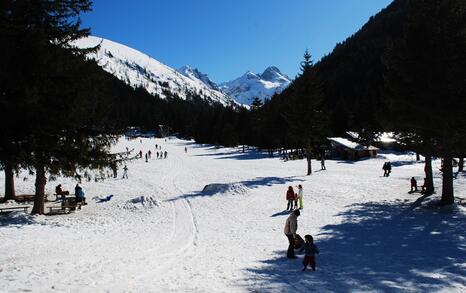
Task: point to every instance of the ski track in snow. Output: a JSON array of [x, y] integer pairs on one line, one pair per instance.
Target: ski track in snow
[[231, 239]]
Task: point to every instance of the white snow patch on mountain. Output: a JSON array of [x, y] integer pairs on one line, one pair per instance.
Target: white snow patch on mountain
[[140, 70], [245, 88], [195, 74]]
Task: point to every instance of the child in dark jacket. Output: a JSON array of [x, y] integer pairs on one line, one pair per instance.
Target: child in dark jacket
[[310, 251]]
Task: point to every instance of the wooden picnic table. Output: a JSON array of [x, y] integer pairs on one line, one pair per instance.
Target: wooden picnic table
[[28, 197], [68, 204]]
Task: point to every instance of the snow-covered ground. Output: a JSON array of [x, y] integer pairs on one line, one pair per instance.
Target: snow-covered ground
[[162, 233]]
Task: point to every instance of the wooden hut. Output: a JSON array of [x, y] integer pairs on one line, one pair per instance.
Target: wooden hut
[[348, 150]]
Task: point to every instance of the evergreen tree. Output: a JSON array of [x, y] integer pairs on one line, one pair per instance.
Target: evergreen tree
[[307, 62], [307, 119], [52, 109], [424, 83], [256, 103]]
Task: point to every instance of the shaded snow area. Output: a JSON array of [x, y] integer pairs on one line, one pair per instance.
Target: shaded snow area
[[211, 220]]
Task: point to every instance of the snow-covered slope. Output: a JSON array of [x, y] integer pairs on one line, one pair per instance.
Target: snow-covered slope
[[195, 74], [211, 220], [140, 70], [245, 88]]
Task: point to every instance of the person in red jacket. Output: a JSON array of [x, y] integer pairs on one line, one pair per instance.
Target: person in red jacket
[[290, 197]]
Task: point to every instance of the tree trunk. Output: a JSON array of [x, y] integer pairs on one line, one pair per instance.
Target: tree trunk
[[418, 157], [429, 182], [461, 165], [448, 196], [309, 161], [39, 197], [9, 182]]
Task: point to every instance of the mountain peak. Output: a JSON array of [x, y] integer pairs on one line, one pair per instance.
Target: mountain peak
[[140, 70], [195, 74], [250, 75], [250, 85], [272, 73]]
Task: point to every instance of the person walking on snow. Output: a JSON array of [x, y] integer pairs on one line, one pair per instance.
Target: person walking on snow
[[385, 169], [413, 185], [291, 226], [290, 198], [125, 172], [389, 168], [322, 163], [310, 251], [115, 169], [300, 196]]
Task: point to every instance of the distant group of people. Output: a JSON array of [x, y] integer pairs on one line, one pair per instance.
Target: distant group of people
[[387, 169], [162, 155], [295, 204], [148, 155]]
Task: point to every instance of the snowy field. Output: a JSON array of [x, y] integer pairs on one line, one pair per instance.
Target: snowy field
[[162, 233]]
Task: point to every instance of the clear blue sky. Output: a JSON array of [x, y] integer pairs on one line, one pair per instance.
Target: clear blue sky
[[225, 38]]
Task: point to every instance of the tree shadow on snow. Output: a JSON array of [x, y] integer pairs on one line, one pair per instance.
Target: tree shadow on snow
[[377, 247], [352, 162], [237, 155], [404, 163], [192, 144], [17, 219]]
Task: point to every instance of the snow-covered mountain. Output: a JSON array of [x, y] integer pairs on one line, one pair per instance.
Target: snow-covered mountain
[[195, 74], [140, 70], [245, 88]]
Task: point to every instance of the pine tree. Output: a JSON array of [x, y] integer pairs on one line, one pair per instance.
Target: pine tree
[[256, 103], [52, 109], [307, 118], [424, 81], [307, 63]]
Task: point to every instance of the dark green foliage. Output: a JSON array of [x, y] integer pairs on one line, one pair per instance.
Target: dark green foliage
[[425, 84], [403, 71], [307, 63], [256, 103], [51, 108]]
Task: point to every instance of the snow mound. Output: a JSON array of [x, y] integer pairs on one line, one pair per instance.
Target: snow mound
[[141, 202], [216, 188]]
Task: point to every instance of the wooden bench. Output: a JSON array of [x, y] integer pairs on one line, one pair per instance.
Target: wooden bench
[[68, 204], [6, 210]]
